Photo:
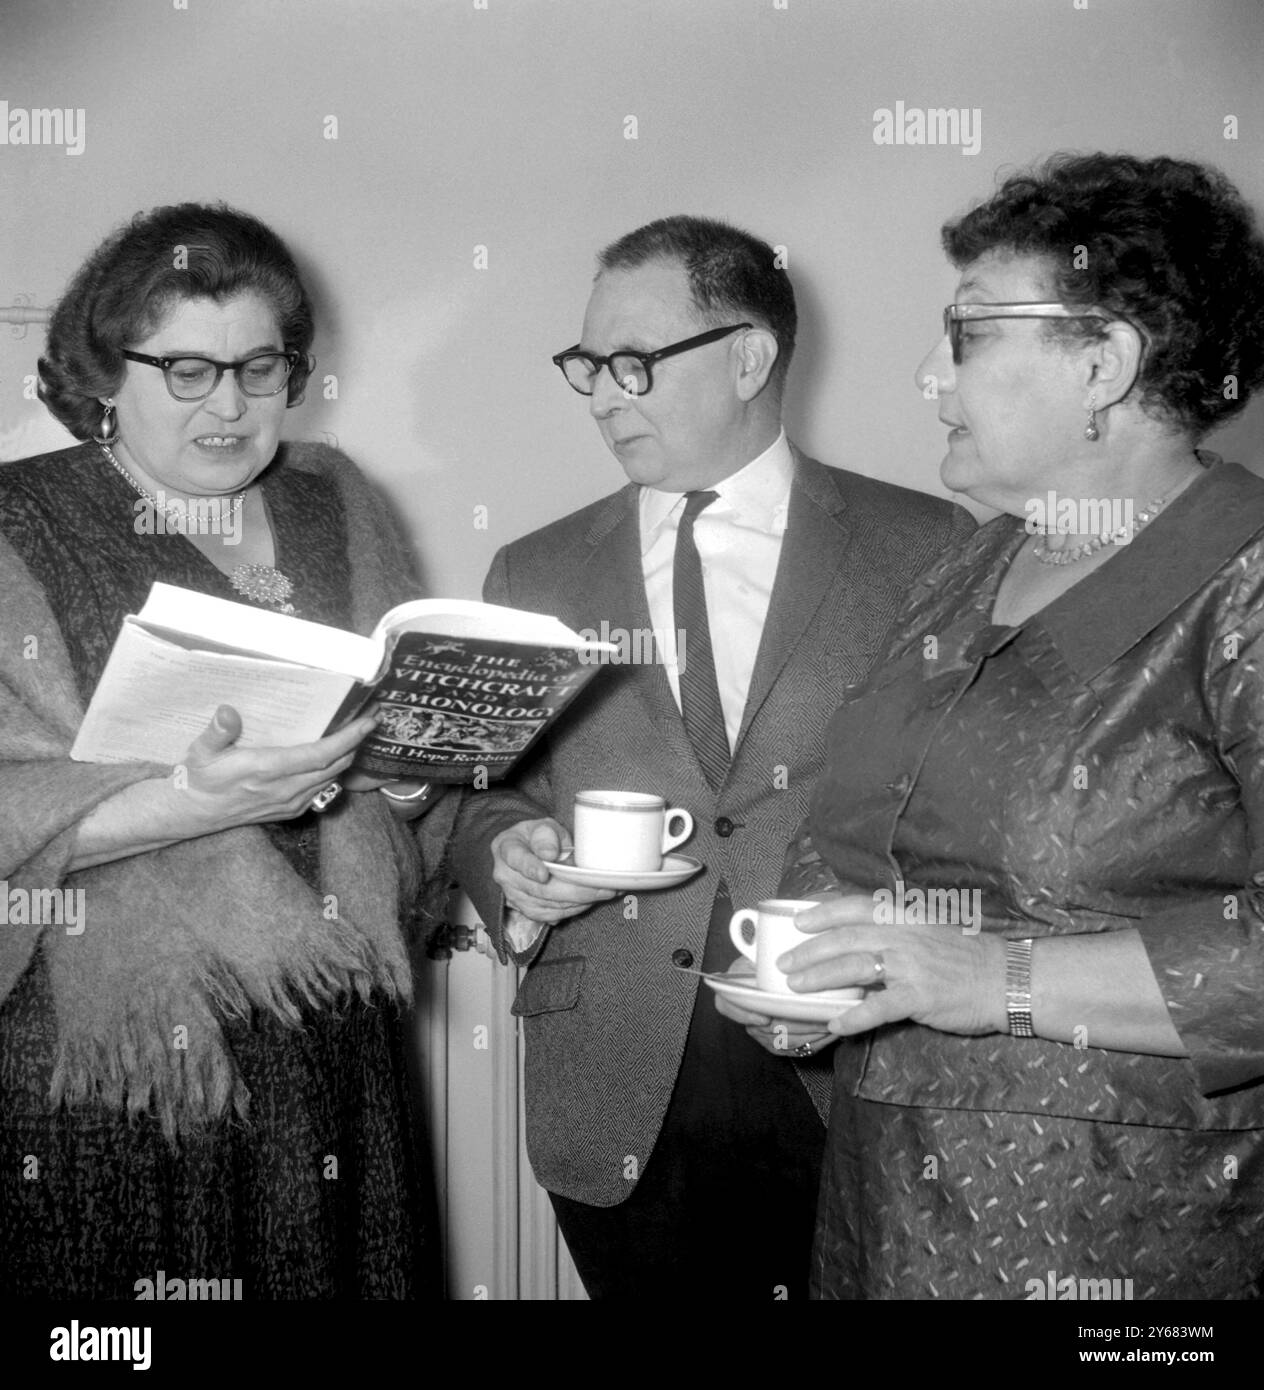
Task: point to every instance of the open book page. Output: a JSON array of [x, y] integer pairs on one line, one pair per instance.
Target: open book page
[[259, 632], [464, 688], [155, 697], [467, 618]]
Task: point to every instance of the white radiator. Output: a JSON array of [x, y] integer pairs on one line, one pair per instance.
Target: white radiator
[[499, 1234]]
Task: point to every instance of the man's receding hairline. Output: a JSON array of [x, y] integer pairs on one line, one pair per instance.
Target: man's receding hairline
[[654, 257], [699, 311]]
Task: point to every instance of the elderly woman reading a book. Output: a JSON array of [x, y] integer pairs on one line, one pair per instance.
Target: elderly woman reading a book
[[201, 1060]]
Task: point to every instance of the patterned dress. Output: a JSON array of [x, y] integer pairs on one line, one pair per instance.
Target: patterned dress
[[256, 1202], [1098, 768]]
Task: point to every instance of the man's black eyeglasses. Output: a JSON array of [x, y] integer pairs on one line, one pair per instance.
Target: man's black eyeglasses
[[630, 370]]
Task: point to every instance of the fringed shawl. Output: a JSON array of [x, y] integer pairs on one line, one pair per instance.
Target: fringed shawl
[[177, 939]]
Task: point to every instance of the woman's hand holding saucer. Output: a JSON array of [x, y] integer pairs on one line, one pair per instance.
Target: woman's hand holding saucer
[[781, 1036], [939, 976]]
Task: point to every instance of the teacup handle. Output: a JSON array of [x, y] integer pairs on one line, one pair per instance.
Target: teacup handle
[[673, 838], [736, 922]]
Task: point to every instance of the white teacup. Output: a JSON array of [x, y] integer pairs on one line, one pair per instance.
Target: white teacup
[[767, 931], [627, 831]]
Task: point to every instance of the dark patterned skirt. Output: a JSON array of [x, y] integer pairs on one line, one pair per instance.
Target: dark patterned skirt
[[919, 1203], [317, 1196]]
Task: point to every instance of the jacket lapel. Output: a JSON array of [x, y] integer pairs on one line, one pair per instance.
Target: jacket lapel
[[813, 555]]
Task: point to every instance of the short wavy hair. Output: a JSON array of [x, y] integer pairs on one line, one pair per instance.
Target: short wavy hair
[[731, 274], [1166, 243], [129, 284]]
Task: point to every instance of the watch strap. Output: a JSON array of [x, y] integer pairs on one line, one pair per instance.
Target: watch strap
[[1018, 988]]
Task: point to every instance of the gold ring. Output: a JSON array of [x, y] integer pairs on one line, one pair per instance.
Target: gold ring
[[326, 797]]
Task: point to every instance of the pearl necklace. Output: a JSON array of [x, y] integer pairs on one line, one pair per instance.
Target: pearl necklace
[[177, 516], [259, 583], [1072, 554]]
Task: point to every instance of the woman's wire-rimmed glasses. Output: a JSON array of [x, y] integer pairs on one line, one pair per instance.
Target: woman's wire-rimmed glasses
[[630, 370], [196, 378], [955, 315]]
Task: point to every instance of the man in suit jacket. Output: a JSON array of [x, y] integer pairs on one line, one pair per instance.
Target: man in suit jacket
[[677, 1148]]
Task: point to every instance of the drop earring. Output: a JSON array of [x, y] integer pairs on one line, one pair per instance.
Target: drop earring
[[107, 431], [1091, 432]]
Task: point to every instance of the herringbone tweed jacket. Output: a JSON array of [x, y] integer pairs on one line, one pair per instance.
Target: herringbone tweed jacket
[[604, 1008]]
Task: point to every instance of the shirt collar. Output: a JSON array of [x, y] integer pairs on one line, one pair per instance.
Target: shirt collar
[[756, 496]]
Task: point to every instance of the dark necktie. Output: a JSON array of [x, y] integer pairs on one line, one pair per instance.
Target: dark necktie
[[699, 693]]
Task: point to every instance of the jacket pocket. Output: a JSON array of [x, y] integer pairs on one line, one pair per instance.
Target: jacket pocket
[[550, 986]]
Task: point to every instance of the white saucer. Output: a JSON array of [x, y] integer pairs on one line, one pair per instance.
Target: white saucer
[[799, 1008], [676, 869]]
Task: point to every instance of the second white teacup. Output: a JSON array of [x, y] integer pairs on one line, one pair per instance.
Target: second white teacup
[[627, 831], [768, 930]]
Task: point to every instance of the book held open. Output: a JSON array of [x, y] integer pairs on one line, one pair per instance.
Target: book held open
[[463, 687]]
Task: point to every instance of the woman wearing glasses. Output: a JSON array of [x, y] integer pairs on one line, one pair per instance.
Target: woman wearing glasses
[[205, 1076], [1065, 749]]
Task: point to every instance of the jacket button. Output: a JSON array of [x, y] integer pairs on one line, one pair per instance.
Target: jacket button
[[723, 827], [682, 958], [901, 785]]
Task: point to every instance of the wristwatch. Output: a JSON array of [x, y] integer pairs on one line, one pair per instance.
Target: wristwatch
[[1018, 988]]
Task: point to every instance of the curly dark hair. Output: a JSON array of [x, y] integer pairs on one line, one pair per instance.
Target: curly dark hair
[[730, 273], [126, 287], [1167, 244]]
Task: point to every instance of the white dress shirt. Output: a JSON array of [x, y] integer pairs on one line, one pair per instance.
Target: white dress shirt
[[739, 544]]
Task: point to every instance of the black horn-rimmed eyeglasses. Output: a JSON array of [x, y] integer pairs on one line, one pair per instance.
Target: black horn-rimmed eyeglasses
[[630, 370], [196, 378]]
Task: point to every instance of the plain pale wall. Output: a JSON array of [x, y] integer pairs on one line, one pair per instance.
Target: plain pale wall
[[504, 127]]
